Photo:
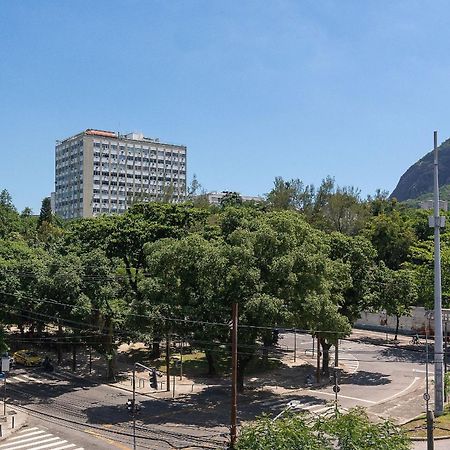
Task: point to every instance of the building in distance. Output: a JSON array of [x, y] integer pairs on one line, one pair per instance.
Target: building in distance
[[214, 198], [104, 172]]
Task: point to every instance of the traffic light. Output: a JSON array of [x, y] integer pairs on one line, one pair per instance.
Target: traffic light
[[130, 405], [153, 380]]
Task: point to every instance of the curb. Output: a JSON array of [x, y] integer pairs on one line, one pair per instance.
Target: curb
[[423, 439]]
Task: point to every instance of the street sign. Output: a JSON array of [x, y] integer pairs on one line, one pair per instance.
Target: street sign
[[294, 404], [336, 389], [5, 364]]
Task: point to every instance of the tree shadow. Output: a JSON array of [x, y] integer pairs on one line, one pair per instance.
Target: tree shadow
[[401, 354], [43, 391], [363, 378], [207, 409]]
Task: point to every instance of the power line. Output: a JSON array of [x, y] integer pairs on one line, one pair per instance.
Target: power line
[[186, 320]]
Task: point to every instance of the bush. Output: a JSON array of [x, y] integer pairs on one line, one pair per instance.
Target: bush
[[351, 431]]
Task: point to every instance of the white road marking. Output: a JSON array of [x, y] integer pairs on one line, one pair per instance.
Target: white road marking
[[48, 446], [37, 439], [67, 446], [25, 438], [32, 379], [332, 394], [401, 392], [26, 434], [23, 380]]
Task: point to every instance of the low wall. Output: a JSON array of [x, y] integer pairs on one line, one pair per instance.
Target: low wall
[[415, 323]]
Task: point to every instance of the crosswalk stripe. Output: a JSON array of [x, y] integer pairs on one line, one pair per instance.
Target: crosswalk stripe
[[36, 439], [48, 445], [29, 433], [23, 380], [24, 443], [55, 438], [67, 446], [22, 440], [32, 379]]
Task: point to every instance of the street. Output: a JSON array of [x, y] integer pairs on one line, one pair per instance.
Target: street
[[387, 381]]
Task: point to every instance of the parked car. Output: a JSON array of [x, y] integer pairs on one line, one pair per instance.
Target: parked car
[[27, 358]]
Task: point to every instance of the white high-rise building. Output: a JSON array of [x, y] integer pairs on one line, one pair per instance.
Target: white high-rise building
[[103, 172]]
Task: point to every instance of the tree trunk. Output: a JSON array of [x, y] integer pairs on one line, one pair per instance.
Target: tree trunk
[[397, 325], [59, 345], [74, 357], [325, 357], [110, 353], [265, 356], [212, 369], [156, 349], [242, 364]]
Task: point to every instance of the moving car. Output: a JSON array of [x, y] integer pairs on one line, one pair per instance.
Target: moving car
[[27, 358]]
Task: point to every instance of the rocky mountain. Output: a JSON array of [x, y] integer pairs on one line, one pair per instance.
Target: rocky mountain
[[418, 179]]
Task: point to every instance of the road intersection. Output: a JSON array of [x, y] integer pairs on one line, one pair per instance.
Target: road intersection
[[387, 380]]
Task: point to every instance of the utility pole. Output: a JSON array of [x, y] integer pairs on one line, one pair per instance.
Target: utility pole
[[436, 221], [319, 353], [426, 396], [167, 362], [295, 345], [336, 353], [4, 395], [234, 363], [134, 406]]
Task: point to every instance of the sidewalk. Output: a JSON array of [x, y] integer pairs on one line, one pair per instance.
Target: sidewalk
[[12, 422], [443, 444]]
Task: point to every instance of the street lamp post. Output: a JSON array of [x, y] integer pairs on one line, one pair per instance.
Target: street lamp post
[[436, 222]]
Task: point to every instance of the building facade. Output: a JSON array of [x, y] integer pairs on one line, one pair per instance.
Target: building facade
[[103, 172], [214, 198]]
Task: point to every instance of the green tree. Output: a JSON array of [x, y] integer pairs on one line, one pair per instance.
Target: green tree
[[46, 214], [6, 200], [349, 431], [9, 218], [397, 292], [392, 237], [3, 345], [274, 265], [344, 211], [231, 199], [292, 194]]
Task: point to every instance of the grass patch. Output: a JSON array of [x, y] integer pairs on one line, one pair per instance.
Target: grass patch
[[418, 427]]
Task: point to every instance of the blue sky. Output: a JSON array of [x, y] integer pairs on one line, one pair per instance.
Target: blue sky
[[255, 89]]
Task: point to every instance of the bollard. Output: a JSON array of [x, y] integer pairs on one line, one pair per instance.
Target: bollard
[[192, 388], [13, 421], [430, 426], [1, 430]]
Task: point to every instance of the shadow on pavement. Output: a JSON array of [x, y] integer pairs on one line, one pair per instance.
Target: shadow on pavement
[[363, 378], [401, 354]]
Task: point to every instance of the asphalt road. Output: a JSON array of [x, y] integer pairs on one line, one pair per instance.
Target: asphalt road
[[386, 380], [95, 416]]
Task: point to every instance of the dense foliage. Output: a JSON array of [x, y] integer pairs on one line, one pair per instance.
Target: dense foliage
[[311, 258], [349, 431]]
